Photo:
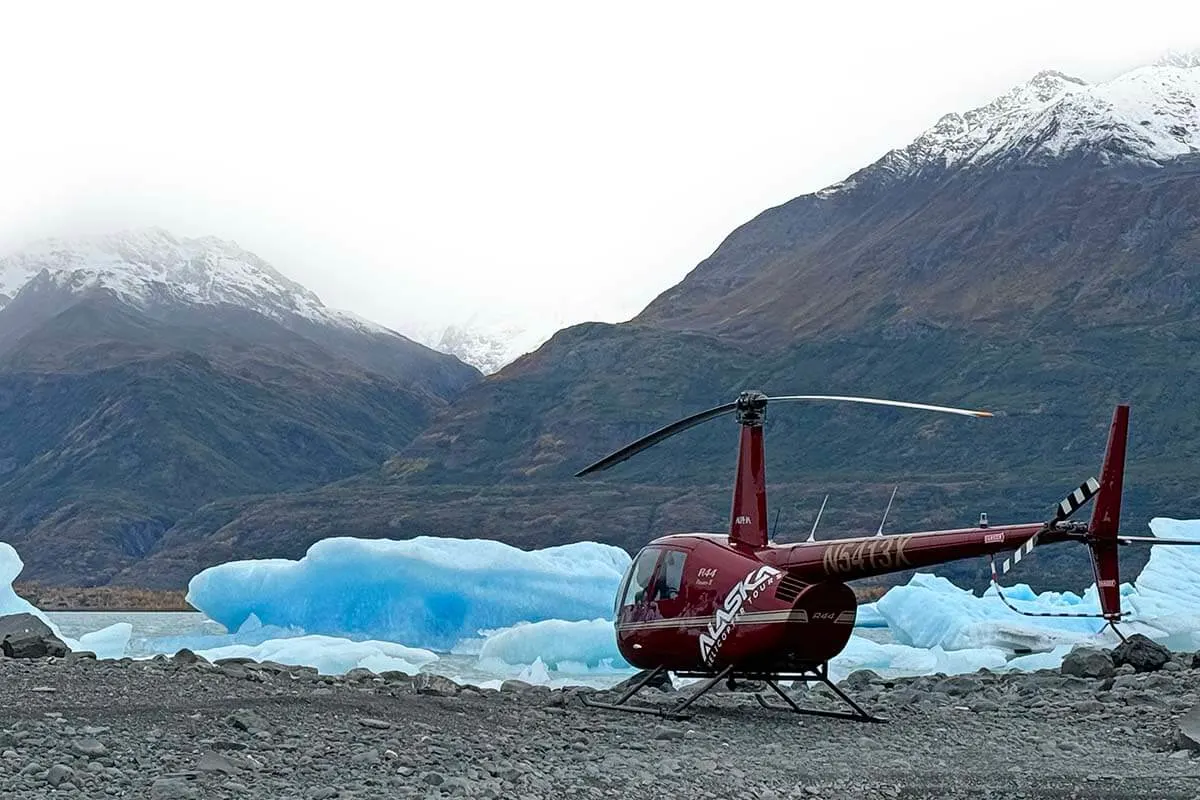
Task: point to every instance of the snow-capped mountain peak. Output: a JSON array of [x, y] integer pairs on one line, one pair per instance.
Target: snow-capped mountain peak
[[1149, 115], [1184, 59], [151, 267]]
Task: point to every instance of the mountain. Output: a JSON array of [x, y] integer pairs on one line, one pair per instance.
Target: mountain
[[487, 346], [1038, 256], [491, 338], [143, 376]]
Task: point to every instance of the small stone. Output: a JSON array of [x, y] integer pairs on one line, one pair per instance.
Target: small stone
[[366, 757], [44, 689], [90, 748], [377, 724], [249, 721], [433, 779], [172, 789], [664, 733], [215, 762], [59, 774]]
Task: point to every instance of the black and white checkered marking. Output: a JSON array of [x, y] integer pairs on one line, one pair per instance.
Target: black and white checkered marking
[[1072, 502], [1069, 505]]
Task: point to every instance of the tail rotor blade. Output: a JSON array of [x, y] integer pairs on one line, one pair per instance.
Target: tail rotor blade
[[1076, 499]]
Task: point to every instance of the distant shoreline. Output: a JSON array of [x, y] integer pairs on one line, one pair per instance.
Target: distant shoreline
[[117, 599]]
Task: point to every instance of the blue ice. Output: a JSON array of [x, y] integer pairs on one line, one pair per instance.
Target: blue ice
[[425, 592]]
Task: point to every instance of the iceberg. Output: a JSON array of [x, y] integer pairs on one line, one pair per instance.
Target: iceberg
[[1163, 603], [329, 655], [868, 616], [899, 660], [930, 611], [10, 602], [427, 592], [582, 644], [109, 642]]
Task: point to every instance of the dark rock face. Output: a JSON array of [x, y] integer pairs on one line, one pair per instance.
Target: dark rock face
[[1141, 653], [26, 636], [1088, 662]]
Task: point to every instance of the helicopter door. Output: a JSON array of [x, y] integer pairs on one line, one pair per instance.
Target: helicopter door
[[633, 597], [668, 584]]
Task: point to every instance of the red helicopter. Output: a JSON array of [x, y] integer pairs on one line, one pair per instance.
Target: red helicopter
[[734, 606]]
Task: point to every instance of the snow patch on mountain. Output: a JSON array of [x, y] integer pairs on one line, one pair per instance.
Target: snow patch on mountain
[[151, 268], [489, 340], [1149, 115], [1180, 58]]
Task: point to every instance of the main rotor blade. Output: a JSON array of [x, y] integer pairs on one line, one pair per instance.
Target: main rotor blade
[[921, 406], [652, 439]]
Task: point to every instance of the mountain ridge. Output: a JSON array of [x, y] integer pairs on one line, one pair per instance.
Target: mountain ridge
[[1045, 284], [129, 397]]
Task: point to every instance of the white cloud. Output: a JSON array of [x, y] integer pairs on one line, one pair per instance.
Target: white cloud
[[417, 162]]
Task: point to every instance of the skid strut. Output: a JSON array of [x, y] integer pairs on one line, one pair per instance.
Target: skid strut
[[820, 675], [677, 711]]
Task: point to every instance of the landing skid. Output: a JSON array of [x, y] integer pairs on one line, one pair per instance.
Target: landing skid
[[819, 675]]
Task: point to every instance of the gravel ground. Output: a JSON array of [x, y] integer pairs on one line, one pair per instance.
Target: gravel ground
[[181, 728]]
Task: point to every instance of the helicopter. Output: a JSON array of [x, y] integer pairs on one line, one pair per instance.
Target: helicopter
[[737, 607]]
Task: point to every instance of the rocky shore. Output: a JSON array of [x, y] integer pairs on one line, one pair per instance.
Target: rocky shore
[[180, 727]]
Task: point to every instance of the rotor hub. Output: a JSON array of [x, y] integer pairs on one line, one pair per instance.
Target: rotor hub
[[750, 408]]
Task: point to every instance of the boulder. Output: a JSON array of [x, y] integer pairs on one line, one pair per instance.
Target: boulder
[[1088, 662], [661, 681], [860, 679], [1187, 737], [438, 685], [26, 636], [1141, 653], [958, 685]]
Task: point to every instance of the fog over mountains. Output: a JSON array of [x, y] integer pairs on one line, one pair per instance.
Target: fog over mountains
[[170, 404]]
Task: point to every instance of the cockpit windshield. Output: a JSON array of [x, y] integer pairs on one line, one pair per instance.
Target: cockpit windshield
[[637, 578]]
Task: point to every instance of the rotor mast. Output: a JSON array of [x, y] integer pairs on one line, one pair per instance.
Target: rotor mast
[[748, 518]]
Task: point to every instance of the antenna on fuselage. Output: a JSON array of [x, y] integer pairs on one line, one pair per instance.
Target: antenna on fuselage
[[812, 536], [886, 511]]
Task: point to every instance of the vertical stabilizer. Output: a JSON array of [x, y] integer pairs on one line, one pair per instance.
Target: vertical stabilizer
[[1106, 517], [748, 520]]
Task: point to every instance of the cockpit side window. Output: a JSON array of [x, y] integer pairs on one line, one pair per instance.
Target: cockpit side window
[[670, 575], [637, 579]]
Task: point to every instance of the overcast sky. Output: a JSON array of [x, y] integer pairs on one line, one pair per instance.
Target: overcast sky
[[419, 162]]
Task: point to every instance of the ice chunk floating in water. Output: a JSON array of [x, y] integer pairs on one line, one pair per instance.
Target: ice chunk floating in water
[[10, 602], [330, 656], [426, 592], [555, 642]]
